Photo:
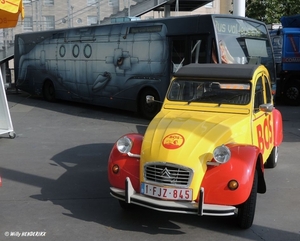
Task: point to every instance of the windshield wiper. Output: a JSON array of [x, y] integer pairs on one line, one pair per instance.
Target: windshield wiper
[[208, 97], [194, 98]]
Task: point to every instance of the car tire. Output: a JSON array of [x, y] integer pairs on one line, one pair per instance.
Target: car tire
[[49, 91], [273, 158], [125, 206], [148, 111], [246, 211]]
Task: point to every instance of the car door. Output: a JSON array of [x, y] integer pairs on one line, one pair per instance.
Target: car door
[[262, 121]]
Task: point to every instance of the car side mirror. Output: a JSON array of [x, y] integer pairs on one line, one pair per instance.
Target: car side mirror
[[150, 99], [266, 107]]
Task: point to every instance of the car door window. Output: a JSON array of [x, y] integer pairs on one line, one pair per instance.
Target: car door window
[[268, 90], [259, 94]]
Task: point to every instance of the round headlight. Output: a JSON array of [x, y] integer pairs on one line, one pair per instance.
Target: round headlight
[[222, 154], [124, 144]]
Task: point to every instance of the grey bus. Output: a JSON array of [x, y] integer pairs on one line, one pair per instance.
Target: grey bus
[[117, 65]]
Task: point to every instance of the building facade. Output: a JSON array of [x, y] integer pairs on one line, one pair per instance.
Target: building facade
[[42, 15]]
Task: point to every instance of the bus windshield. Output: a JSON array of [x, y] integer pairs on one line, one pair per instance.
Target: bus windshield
[[243, 42]]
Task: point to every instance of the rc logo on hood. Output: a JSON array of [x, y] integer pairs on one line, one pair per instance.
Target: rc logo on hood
[[173, 141]]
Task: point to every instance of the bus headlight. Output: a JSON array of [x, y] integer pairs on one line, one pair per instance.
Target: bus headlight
[[124, 145], [222, 154]]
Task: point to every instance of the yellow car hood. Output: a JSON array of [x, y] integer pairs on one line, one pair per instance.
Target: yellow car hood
[[189, 137]]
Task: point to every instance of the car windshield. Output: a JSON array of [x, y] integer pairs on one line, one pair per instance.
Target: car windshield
[[220, 92]]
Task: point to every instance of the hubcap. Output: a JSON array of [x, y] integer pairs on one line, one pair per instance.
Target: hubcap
[[292, 93]]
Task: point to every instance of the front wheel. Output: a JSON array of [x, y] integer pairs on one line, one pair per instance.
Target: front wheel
[[292, 93], [125, 206], [273, 158], [146, 110], [246, 210]]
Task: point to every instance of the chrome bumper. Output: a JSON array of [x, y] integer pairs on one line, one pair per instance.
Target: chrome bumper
[[130, 196]]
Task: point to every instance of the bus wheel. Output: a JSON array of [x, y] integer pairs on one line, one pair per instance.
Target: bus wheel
[[49, 91], [292, 93], [148, 111]]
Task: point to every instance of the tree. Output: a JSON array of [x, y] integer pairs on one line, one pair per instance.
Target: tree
[[270, 11]]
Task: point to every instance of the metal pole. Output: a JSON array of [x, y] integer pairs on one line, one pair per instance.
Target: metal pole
[[128, 8], [40, 15], [69, 14], [98, 13], [239, 7], [72, 16], [167, 11], [36, 16]]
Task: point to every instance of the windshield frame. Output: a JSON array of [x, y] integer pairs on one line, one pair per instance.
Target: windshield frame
[[208, 91]]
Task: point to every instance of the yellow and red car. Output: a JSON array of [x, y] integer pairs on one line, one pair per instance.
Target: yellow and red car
[[204, 153]]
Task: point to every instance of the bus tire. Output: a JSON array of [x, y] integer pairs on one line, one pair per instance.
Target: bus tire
[[49, 91], [148, 111], [292, 93]]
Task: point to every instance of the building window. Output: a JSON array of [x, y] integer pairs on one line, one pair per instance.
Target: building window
[[48, 2], [92, 2], [91, 20], [28, 24], [209, 5], [49, 22], [27, 2]]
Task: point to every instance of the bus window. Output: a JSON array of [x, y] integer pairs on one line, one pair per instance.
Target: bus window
[[178, 53], [247, 41], [198, 50], [226, 57], [188, 50]]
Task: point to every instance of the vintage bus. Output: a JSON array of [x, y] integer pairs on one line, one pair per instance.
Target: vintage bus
[[117, 65]]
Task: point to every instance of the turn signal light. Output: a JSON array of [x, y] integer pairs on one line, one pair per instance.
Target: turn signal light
[[233, 185], [115, 169]]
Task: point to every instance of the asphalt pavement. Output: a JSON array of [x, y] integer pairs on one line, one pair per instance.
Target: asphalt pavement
[[55, 183]]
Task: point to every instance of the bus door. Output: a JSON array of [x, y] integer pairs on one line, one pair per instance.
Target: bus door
[[188, 49]]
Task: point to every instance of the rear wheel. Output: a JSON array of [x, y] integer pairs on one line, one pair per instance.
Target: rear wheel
[[49, 91], [292, 93], [148, 111], [246, 210], [273, 158]]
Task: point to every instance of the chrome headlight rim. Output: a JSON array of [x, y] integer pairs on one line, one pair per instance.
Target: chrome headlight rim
[[222, 154], [124, 145]]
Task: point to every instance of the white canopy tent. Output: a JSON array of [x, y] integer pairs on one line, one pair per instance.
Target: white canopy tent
[[9, 16], [6, 125]]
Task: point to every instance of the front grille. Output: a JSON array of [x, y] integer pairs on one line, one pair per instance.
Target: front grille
[[168, 174]]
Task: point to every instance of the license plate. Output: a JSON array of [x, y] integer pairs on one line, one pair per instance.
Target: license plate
[[167, 192]]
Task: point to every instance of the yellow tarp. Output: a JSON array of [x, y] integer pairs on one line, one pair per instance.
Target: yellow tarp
[[9, 12]]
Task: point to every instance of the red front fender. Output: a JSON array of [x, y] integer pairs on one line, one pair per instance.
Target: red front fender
[[278, 127], [241, 167], [128, 166]]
